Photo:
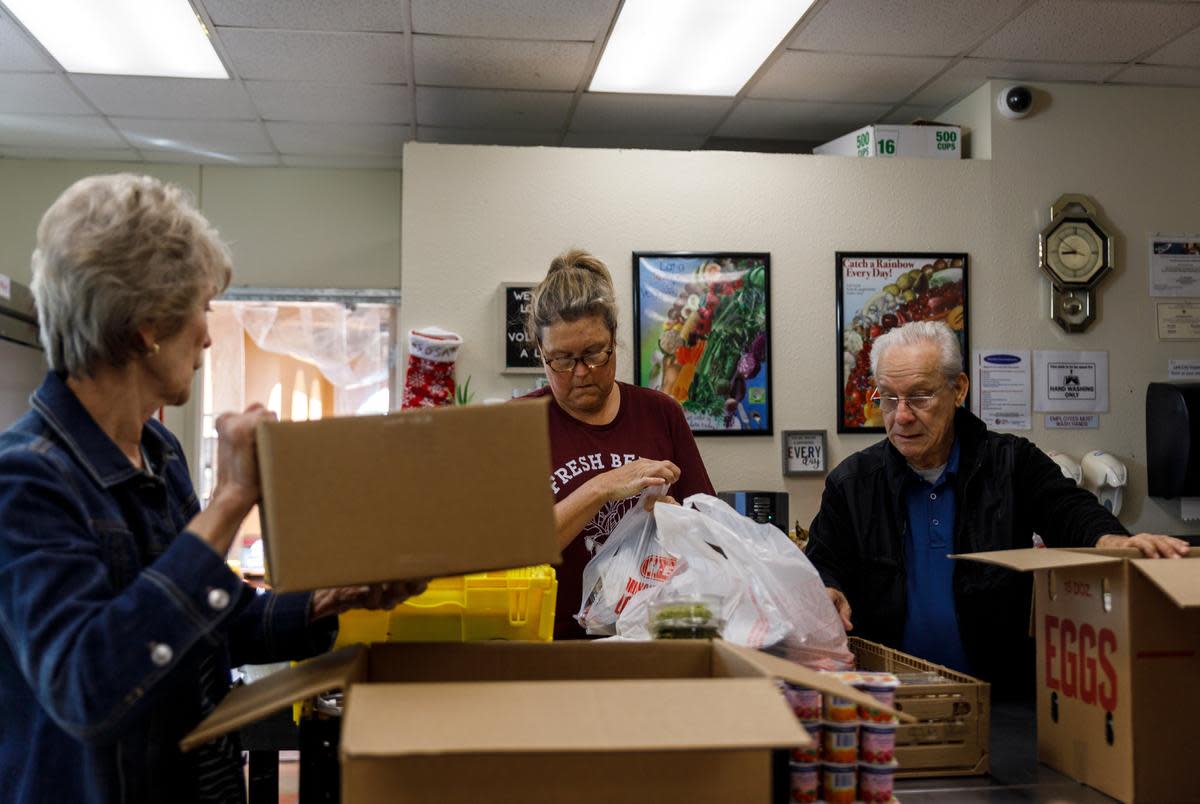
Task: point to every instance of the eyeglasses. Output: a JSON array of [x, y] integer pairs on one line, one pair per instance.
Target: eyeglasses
[[890, 402], [592, 360]]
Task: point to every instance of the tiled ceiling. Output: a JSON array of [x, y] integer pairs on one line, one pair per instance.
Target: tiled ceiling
[[345, 83]]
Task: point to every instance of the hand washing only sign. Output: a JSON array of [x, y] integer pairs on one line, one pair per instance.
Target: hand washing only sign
[[1070, 382]]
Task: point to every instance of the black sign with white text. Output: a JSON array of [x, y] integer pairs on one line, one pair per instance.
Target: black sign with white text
[[519, 351]]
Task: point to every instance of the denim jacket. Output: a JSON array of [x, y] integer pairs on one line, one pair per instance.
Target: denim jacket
[[107, 606]]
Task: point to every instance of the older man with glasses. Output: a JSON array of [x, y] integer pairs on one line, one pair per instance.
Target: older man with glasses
[[942, 483]]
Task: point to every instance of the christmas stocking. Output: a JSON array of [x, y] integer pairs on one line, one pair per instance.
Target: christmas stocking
[[429, 380]]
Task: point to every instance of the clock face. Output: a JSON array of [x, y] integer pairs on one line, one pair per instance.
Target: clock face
[[1075, 251]]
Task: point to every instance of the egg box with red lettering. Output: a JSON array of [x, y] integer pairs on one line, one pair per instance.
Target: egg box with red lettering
[[589, 722], [1118, 665]]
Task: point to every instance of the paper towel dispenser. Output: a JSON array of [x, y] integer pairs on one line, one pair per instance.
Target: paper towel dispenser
[[1173, 439]]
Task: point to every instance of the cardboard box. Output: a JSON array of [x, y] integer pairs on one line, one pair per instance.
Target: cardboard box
[[586, 722], [1118, 652], [419, 494], [932, 142], [953, 728]]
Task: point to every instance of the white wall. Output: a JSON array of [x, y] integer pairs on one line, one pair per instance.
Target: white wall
[[503, 213], [477, 216]]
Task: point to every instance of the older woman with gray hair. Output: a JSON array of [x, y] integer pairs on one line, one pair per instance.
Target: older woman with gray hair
[[119, 616]]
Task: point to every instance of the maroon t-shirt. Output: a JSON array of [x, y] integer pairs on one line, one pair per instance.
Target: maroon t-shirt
[[650, 425]]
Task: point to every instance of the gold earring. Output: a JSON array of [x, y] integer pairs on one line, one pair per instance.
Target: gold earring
[[154, 347]]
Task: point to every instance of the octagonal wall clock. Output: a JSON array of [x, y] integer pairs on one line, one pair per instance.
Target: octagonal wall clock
[[1075, 251]]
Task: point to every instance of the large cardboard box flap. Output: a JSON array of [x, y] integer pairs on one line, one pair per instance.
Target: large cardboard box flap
[[1033, 559], [1179, 579], [769, 665], [251, 702], [604, 716], [423, 493]]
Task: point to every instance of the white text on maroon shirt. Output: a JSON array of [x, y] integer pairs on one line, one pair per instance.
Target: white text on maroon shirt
[[561, 477]]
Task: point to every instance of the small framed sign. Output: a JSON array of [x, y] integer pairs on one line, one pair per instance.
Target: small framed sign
[[803, 452], [521, 355]]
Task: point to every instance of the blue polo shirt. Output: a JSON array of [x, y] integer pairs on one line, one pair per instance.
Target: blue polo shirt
[[931, 628]]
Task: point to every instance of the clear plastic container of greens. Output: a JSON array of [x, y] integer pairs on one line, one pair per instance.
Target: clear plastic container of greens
[[686, 617]]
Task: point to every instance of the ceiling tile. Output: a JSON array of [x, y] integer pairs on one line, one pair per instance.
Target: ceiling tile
[[969, 74], [213, 158], [621, 139], [39, 93], [1089, 30], [309, 15], [73, 154], [18, 52], [499, 63], [660, 114], [500, 109], [52, 131], [801, 75], [332, 58], [577, 20], [1183, 52], [330, 139], [798, 120], [907, 114], [209, 137], [353, 162], [476, 136], [181, 98], [902, 27], [1154, 75], [331, 103]]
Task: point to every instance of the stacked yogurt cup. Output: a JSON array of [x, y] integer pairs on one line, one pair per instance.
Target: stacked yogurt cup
[[854, 753]]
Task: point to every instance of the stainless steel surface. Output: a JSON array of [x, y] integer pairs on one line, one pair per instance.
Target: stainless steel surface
[[1015, 776]]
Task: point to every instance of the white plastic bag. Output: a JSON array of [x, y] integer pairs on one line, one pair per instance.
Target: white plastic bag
[[774, 598], [629, 562]]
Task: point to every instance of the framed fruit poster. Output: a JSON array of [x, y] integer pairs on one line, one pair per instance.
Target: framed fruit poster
[[877, 292], [702, 334]]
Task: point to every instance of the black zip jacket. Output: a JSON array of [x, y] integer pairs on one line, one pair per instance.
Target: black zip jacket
[[1006, 489]]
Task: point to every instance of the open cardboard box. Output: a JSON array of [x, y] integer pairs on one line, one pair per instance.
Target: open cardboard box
[[586, 722], [419, 494], [1118, 652]]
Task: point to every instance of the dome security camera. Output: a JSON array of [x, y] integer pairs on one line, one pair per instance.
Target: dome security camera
[[1015, 101]]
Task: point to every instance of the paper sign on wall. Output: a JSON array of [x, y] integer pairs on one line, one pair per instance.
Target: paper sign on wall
[[1070, 382], [1183, 370], [1001, 381], [1175, 265]]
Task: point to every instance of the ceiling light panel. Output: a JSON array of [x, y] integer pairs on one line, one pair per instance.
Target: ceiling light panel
[[122, 37], [692, 47]]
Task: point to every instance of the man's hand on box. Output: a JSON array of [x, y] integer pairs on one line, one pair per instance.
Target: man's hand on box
[[842, 605], [328, 602], [1152, 545]]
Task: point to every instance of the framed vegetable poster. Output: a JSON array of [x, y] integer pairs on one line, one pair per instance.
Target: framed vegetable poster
[[877, 292], [702, 334]]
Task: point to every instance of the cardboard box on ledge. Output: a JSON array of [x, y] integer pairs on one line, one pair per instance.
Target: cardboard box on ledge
[[419, 494], [586, 722], [1118, 652]]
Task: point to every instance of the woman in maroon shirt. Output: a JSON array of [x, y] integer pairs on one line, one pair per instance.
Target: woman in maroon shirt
[[608, 440]]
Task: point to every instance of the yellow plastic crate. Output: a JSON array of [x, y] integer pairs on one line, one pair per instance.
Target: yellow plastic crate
[[516, 604]]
